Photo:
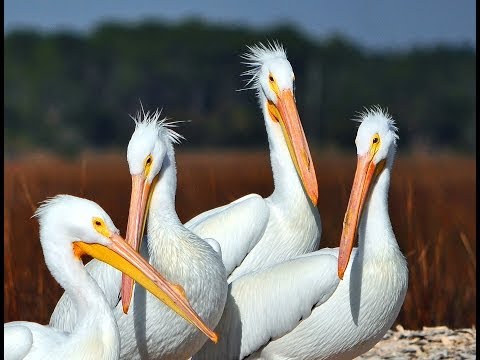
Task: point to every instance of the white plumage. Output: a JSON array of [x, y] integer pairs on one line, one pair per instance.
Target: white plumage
[[267, 312], [254, 232], [70, 227], [150, 330]]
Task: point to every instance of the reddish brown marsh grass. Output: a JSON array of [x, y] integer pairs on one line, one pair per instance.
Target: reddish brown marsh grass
[[432, 207]]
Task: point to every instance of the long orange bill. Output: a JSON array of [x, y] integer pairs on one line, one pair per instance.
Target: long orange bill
[[135, 227], [297, 143], [120, 255], [361, 184]]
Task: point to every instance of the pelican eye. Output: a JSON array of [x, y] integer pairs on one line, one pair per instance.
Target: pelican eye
[[272, 84], [147, 164], [375, 143], [100, 227]]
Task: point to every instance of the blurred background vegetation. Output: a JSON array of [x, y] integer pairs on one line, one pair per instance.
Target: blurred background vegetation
[[65, 91]]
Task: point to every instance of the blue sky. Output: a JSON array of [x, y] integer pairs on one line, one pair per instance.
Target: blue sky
[[375, 24]]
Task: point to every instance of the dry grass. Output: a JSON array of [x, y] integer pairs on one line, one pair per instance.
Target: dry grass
[[432, 206]]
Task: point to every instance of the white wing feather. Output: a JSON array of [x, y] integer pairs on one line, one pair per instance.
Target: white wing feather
[[250, 216], [269, 303], [18, 341], [27, 339], [214, 244]]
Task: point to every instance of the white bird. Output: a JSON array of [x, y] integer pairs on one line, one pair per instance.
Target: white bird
[[69, 228], [150, 330], [261, 321], [254, 232]]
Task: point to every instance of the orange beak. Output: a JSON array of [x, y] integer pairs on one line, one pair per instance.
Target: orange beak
[[365, 173], [121, 256], [285, 112], [135, 228]]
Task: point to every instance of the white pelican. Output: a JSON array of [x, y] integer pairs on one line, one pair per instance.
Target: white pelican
[[150, 329], [254, 232], [261, 322], [69, 228]]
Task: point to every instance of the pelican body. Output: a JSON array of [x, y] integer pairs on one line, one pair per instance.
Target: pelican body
[[69, 228], [329, 318], [151, 330], [254, 232]]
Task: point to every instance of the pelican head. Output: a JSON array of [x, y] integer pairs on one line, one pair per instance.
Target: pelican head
[[376, 143], [149, 144], [146, 155], [272, 76], [86, 229], [77, 220]]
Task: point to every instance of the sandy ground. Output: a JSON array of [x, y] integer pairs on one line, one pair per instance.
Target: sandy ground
[[429, 343]]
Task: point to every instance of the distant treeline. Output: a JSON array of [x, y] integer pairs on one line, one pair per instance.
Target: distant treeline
[[66, 91]]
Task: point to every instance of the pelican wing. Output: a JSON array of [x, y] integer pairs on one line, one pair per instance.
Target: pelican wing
[[214, 244], [267, 304], [23, 338], [64, 316], [237, 227], [18, 341]]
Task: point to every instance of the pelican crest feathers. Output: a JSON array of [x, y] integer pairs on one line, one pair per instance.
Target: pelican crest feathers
[[49, 202], [149, 119], [374, 112], [257, 55]]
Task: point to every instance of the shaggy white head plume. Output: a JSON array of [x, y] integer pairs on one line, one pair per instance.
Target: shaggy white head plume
[[377, 114], [162, 126], [257, 55]]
